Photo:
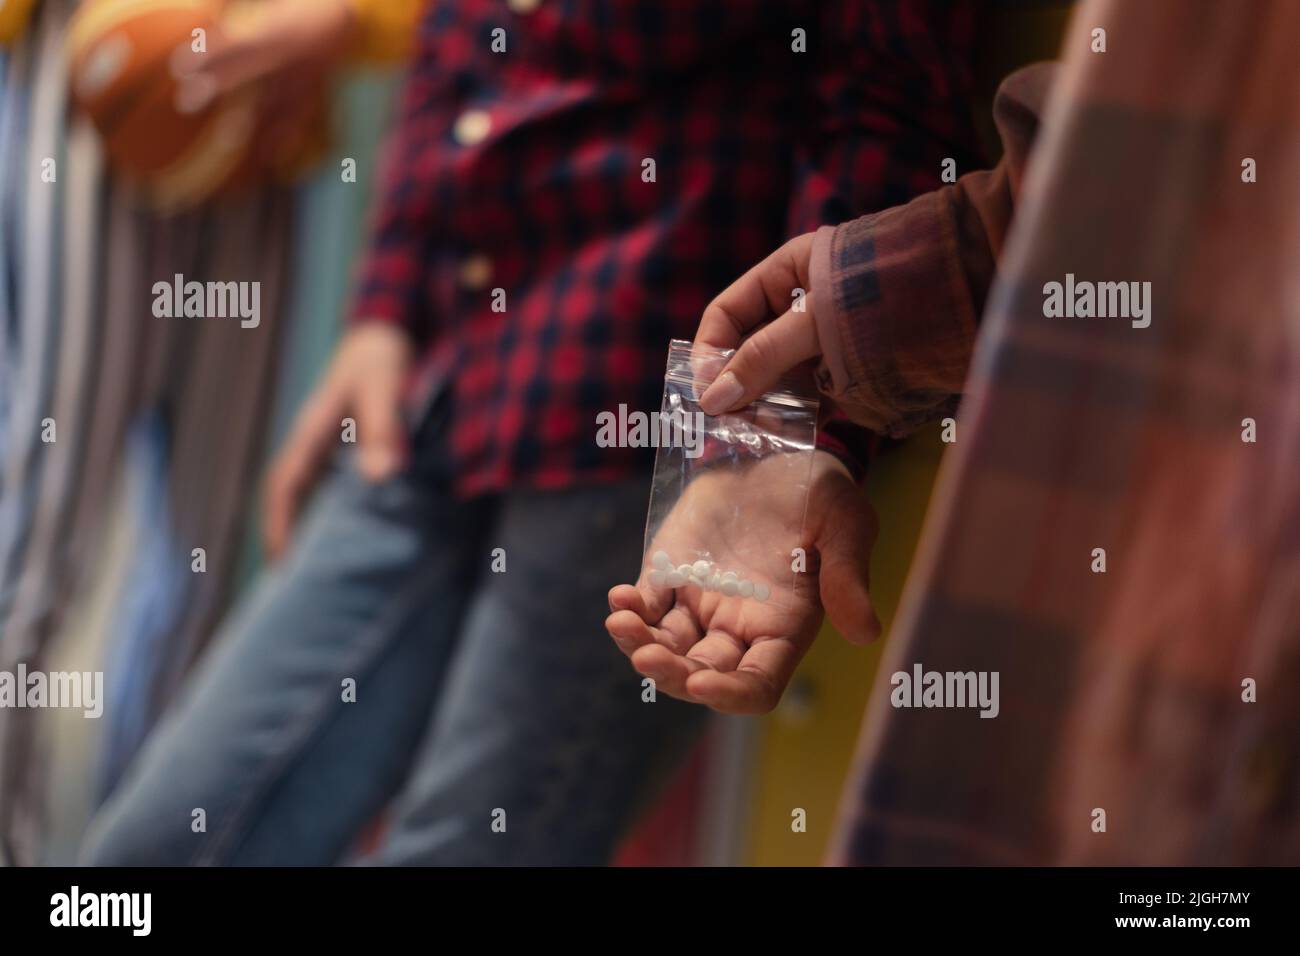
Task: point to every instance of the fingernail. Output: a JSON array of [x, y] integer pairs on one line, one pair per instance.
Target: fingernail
[[722, 394]]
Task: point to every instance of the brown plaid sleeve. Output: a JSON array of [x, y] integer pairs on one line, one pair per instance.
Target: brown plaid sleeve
[[899, 292]]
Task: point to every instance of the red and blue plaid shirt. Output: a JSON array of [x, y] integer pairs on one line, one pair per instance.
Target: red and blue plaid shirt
[[526, 170]]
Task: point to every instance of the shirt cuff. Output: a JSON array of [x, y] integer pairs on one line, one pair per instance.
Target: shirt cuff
[[829, 319]]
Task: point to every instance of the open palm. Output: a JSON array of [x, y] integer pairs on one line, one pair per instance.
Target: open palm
[[737, 654]]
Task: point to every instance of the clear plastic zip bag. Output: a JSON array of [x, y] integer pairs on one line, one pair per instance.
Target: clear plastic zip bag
[[729, 497]]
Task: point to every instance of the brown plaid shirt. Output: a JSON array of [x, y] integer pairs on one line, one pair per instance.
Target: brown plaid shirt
[[1123, 691]]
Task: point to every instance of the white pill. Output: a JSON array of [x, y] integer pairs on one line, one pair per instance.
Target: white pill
[[661, 561], [747, 588], [762, 592], [730, 588], [674, 579], [702, 568], [657, 578]]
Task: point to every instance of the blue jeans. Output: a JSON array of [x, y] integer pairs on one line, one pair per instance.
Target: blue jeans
[[482, 698]]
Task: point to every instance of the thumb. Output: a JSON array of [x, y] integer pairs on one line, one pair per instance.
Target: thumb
[[296, 466], [844, 529], [762, 359], [381, 433]]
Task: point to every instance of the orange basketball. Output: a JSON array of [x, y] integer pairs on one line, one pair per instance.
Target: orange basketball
[[120, 53]]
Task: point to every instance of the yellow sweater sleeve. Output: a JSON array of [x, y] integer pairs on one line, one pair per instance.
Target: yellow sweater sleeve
[[387, 29], [13, 18]]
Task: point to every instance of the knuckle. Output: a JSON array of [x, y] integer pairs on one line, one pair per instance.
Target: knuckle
[[761, 349]]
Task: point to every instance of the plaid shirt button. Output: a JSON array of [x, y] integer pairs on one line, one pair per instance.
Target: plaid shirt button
[[475, 273], [523, 6], [472, 127]]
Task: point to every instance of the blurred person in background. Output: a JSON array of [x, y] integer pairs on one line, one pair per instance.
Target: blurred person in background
[[287, 52], [161, 422], [566, 189]]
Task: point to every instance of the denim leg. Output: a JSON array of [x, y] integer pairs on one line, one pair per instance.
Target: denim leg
[[541, 716], [286, 771]]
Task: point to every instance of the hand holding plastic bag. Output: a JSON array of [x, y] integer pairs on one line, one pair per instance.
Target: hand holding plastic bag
[[756, 505]]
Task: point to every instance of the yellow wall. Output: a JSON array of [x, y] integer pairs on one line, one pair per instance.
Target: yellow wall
[[805, 746]]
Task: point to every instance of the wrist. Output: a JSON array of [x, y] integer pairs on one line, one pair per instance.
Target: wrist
[[826, 462]]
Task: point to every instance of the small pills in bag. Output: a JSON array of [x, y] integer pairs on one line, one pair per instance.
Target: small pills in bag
[[730, 492]]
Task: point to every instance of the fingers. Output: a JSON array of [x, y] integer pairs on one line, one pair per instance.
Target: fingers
[[628, 597], [651, 602], [629, 631], [757, 683], [718, 651], [246, 45], [665, 646], [743, 307], [297, 465], [227, 64], [643, 616], [844, 529], [717, 670], [381, 432], [668, 670], [847, 600], [761, 360], [762, 292]]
